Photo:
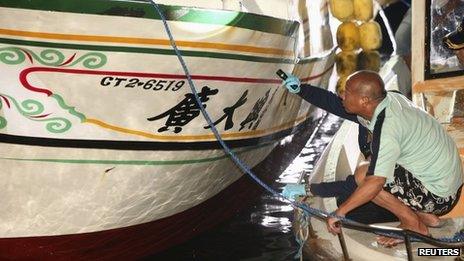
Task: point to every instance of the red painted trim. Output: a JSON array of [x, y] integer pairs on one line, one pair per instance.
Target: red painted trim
[[40, 116], [69, 60], [6, 101], [23, 76], [317, 75], [28, 56]]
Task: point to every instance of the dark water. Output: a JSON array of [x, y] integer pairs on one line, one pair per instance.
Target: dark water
[[262, 231]]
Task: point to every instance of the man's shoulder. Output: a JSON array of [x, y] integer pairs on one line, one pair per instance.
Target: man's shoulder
[[401, 109]]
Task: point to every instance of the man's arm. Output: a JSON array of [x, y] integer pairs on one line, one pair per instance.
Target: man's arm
[[365, 192], [325, 100]]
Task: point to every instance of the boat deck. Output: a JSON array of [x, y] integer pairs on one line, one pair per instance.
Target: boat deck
[[321, 245], [368, 240]]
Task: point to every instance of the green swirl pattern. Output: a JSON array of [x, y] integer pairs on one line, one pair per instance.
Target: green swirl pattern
[[92, 60], [50, 57], [12, 55], [30, 108], [64, 106], [3, 122], [57, 125]]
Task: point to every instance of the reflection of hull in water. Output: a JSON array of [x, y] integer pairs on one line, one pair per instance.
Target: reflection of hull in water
[[102, 144]]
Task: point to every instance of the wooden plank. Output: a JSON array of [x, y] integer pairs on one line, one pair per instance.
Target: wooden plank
[[438, 85], [418, 43], [456, 131]]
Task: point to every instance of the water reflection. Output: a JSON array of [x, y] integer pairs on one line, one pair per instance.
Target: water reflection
[[264, 230]]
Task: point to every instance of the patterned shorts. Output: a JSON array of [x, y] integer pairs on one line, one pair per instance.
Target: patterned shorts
[[412, 192]]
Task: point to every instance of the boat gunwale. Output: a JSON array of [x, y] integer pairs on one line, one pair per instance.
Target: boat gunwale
[[144, 9]]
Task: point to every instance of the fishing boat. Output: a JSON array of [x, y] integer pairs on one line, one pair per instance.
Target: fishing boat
[[436, 85], [103, 149]]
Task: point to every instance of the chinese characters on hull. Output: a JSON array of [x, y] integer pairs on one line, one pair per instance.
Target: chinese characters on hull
[[185, 111], [254, 114], [188, 109], [229, 112]]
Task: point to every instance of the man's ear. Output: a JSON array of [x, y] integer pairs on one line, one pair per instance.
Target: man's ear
[[365, 100]]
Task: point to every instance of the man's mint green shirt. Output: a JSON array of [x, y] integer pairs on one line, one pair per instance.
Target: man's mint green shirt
[[415, 140]]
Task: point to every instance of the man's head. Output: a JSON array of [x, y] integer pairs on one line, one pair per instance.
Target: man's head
[[364, 90], [455, 41]]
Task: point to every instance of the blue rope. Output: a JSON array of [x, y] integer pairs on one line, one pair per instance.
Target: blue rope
[[307, 209], [304, 219], [236, 160]]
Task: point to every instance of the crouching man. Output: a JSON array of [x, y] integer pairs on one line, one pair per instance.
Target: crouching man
[[414, 172]]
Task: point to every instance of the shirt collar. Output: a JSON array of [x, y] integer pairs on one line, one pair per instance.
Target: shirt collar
[[380, 107]]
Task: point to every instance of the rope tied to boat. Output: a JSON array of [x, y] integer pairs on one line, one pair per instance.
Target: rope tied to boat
[[306, 209], [302, 233]]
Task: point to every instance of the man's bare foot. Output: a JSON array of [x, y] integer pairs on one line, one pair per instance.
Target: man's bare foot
[[389, 241], [420, 228], [429, 219]]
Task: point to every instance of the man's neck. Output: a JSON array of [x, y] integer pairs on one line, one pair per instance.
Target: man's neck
[[368, 114], [367, 117]]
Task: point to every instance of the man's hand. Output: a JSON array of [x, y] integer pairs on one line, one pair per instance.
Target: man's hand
[[365, 192], [292, 83], [333, 225], [293, 191]]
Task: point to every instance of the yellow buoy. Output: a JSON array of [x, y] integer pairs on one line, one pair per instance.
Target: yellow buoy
[[369, 60], [340, 87], [342, 9], [363, 10], [370, 36], [346, 63], [348, 36]]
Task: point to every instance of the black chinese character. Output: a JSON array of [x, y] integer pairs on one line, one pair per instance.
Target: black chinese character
[[229, 112], [185, 111], [254, 114]]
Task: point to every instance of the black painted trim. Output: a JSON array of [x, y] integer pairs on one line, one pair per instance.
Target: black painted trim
[[148, 145]]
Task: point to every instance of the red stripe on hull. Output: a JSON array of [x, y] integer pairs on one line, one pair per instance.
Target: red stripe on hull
[[23, 77], [147, 239]]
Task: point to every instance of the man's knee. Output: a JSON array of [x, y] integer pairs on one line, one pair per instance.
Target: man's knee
[[360, 172]]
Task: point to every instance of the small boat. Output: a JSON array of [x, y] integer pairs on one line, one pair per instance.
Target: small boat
[[103, 150], [436, 87]]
